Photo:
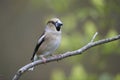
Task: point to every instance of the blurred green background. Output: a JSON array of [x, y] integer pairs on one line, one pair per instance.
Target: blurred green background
[[23, 21]]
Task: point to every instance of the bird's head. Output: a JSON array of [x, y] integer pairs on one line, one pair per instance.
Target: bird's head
[[55, 24]]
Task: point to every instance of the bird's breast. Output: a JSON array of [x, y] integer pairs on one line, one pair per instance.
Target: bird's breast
[[54, 42], [50, 44]]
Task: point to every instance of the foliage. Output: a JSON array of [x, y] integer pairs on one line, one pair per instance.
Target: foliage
[[73, 39], [21, 20]]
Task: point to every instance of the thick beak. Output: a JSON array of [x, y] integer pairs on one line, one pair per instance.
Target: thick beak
[[58, 24]]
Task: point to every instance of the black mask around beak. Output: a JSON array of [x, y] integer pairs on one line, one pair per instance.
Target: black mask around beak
[[58, 26]]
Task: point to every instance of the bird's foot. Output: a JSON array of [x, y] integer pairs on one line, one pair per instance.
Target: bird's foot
[[44, 59]]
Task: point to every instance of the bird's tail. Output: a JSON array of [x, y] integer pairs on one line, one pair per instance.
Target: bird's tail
[[34, 58], [31, 69]]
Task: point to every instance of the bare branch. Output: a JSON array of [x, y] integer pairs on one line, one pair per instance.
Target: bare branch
[[65, 55], [94, 36]]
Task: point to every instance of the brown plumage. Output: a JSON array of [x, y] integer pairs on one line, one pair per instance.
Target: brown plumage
[[49, 41]]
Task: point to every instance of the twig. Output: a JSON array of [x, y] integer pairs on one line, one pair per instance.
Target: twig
[[94, 37], [65, 55]]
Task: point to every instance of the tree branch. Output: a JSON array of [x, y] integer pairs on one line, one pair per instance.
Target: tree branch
[[65, 55]]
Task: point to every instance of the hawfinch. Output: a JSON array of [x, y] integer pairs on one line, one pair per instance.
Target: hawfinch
[[49, 41]]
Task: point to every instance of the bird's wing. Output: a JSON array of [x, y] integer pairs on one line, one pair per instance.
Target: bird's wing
[[40, 41]]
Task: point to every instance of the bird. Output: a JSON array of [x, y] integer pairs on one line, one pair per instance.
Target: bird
[[49, 41]]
